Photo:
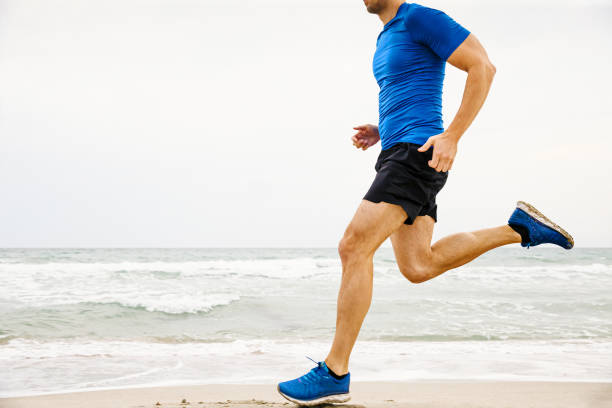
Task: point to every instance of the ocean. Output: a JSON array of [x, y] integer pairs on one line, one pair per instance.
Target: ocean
[[84, 319]]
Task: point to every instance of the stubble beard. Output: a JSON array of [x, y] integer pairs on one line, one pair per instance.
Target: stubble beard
[[375, 8]]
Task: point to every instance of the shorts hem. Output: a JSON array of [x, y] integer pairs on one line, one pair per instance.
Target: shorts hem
[[409, 218]]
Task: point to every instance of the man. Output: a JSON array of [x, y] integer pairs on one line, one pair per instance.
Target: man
[[417, 153]]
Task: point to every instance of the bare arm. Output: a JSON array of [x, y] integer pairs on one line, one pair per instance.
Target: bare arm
[[471, 57]]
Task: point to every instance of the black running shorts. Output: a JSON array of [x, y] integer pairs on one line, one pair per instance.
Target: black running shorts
[[403, 177]]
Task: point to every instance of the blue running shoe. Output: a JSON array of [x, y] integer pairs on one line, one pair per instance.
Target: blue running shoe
[[536, 229], [316, 387]]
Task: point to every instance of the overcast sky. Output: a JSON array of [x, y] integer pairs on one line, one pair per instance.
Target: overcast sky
[[218, 123]]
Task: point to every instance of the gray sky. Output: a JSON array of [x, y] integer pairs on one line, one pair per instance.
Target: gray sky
[[201, 123]]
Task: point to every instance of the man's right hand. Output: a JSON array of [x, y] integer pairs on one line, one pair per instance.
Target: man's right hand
[[366, 136]]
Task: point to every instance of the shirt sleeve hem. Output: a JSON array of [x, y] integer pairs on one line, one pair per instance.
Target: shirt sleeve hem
[[460, 39]]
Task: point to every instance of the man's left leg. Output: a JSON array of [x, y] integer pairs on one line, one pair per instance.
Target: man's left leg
[[420, 261]]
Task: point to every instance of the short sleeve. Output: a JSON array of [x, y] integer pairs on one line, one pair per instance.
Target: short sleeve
[[435, 29]]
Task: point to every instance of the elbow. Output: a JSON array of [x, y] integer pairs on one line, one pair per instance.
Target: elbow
[[483, 69], [490, 70]]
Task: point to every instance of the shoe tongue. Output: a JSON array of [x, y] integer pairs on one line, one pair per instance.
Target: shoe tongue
[[322, 364]]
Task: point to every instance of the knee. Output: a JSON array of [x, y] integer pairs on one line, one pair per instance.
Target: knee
[[347, 248], [416, 273], [350, 247]]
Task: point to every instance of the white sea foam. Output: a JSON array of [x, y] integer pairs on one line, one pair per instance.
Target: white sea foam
[[199, 286], [171, 287], [94, 364], [175, 303], [270, 268]]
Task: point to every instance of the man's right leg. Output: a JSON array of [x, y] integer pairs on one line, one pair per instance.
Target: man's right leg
[[371, 225]]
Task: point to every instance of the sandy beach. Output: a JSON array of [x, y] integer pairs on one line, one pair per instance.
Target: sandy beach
[[451, 394]]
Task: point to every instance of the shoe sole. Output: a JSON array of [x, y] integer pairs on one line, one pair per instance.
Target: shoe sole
[[330, 399], [532, 211]]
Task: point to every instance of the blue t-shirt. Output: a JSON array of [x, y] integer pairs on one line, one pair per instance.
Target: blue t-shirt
[[409, 62]]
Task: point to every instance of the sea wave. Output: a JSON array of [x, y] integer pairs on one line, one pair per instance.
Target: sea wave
[[271, 268], [200, 286], [175, 304], [290, 268], [91, 364], [170, 303], [104, 317], [40, 349]]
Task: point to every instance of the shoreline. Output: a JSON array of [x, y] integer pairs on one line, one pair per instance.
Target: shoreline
[[195, 384], [422, 394]]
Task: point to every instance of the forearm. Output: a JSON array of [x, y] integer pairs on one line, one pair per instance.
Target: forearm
[[477, 87]]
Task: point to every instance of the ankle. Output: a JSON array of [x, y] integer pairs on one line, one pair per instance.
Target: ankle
[[516, 235], [338, 369]]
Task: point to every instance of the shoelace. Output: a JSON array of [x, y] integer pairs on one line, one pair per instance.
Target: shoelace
[[313, 374]]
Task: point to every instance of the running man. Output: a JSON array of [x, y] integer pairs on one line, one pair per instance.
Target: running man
[[411, 54]]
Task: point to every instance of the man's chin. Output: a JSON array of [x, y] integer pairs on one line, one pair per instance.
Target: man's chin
[[372, 9]]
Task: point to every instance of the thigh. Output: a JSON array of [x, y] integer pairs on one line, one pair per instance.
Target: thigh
[[372, 224], [412, 243]]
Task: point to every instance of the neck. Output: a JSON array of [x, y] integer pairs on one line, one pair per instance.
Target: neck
[[387, 13]]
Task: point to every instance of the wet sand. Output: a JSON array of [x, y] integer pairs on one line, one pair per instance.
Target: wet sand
[[429, 394]]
